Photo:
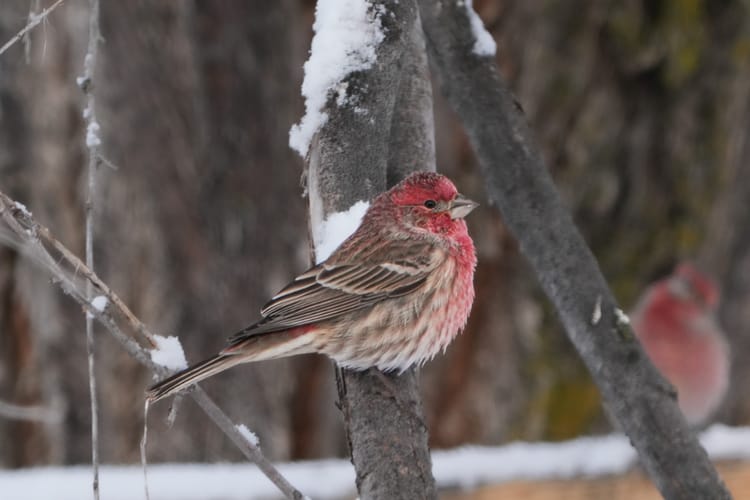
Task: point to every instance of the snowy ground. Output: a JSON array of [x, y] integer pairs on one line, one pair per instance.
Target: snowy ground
[[334, 479]]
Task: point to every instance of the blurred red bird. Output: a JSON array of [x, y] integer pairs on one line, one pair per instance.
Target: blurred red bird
[[392, 295], [675, 323]]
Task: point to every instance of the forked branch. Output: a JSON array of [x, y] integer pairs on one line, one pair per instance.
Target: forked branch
[[71, 274]]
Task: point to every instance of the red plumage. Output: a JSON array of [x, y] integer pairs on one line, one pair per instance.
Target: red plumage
[[674, 320], [392, 295]]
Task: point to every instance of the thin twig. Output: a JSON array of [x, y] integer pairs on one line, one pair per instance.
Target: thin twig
[[26, 223], [92, 146], [33, 9], [107, 162], [144, 451], [249, 450], [33, 23], [34, 239]]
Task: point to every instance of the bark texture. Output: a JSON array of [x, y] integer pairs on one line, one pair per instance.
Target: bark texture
[[518, 182], [355, 156]]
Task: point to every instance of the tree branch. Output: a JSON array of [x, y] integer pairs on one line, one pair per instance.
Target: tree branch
[[378, 133], [517, 181], [92, 147], [33, 23], [67, 270]]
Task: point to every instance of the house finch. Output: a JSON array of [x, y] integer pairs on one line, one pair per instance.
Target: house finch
[[396, 292], [674, 321]]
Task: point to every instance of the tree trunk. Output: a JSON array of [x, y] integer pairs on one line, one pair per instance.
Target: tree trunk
[[353, 157], [518, 182]]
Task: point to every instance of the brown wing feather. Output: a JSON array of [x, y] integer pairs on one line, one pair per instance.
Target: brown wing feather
[[337, 287]]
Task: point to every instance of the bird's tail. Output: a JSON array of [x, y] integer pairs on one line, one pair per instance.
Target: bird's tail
[[254, 348], [189, 376]]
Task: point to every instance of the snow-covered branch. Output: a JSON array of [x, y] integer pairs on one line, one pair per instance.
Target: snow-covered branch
[[370, 125], [347, 35], [71, 274]]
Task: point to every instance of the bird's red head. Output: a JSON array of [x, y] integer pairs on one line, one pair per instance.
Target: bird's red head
[[421, 187], [690, 284], [432, 200]]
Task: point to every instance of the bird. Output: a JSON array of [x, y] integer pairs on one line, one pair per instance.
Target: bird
[[676, 325], [391, 296]]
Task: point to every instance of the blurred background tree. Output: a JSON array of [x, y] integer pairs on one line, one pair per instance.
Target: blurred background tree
[[642, 110]]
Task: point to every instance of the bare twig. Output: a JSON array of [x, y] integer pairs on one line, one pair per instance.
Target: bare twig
[[33, 23], [92, 146], [251, 451], [144, 453], [36, 240], [25, 222], [33, 9]]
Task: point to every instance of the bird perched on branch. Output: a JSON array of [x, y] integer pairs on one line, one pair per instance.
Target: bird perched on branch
[[674, 320], [392, 295]]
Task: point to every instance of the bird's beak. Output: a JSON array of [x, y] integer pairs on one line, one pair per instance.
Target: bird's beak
[[461, 207]]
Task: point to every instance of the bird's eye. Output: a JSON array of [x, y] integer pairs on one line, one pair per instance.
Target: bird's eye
[[430, 203]]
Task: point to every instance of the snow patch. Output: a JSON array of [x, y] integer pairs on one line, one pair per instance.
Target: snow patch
[[471, 466], [621, 317], [336, 228], [325, 479], [347, 34], [168, 353], [484, 44], [596, 314], [332, 479], [20, 206], [36, 18], [727, 443], [249, 435], [92, 134], [99, 302]]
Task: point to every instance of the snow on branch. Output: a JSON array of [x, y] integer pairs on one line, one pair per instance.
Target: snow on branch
[[335, 228], [376, 128], [484, 44], [99, 302], [68, 271], [347, 35], [168, 353], [249, 435]]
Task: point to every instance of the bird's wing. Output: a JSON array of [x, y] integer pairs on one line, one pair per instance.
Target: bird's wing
[[337, 287]]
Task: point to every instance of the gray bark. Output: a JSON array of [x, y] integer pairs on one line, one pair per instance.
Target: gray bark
[[518, 182], [354, 157]]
